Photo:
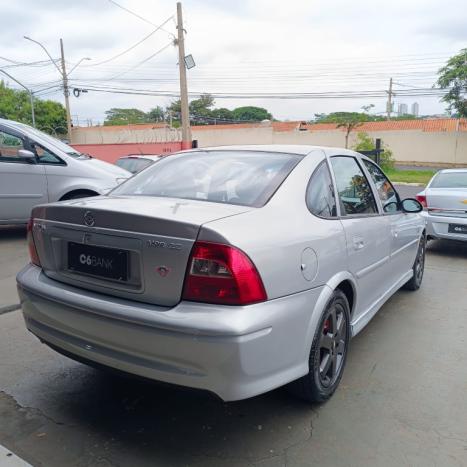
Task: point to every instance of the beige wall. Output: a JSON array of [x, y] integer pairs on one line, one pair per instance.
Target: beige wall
[[109, 135], [409, 146]]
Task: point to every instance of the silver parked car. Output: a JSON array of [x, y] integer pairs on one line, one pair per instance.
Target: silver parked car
[[235, 270], [135, 163], [36, 168], [445, 202]]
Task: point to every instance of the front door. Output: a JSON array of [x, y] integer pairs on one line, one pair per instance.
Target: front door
[[368, 240], [405, 227], [23, 185]]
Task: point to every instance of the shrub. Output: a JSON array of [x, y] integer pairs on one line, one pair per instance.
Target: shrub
[[365, 143]]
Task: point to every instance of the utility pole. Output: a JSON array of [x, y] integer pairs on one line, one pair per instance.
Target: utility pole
[[31, 96], [389, 104], [186, 131], [66, 92]]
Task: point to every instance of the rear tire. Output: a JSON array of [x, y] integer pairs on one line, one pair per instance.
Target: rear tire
[[418, 267], [328, 352]]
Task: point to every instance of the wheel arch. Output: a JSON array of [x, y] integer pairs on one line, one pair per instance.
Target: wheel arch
[[343, 281], [80, 191]]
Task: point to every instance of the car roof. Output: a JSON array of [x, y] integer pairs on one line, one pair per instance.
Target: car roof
[[142, 156], [299, 149], [453, 170]]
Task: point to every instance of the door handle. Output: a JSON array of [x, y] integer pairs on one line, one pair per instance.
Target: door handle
[[358, 243]]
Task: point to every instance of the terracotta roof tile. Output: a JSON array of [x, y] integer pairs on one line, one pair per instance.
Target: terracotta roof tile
[[432, 125]]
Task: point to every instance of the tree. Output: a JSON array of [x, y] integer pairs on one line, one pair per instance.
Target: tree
[[116, 116], [338, 117], [200, 110], [453, 76], [16, 105], [157, 114], [251, 113], [223, 115], [349, 123]]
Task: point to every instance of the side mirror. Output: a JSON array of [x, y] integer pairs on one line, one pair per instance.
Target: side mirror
[[26, 155], [411, 205]]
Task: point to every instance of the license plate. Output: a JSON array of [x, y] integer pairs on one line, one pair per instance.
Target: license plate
[[457, 228], [109, 263]]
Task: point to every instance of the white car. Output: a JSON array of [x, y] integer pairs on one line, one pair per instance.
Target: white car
[[445, 203], [36, 168]]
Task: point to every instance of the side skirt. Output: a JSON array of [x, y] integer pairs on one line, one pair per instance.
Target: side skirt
[[364, 318]]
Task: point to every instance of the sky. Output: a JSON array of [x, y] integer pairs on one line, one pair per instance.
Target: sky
[[249, 47]]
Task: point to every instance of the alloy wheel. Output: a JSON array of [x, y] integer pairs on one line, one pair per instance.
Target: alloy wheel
[[332, 345]]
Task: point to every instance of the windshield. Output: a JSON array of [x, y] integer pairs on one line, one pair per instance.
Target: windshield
[[134, 165], [450, 180], [52, 141], [233, 177]]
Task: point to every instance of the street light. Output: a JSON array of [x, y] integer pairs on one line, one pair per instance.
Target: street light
[[64, 75], [30, 95], [46, 51], [77, 65]]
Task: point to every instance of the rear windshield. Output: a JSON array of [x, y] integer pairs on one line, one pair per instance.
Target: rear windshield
[[243, 177], [134, 165], [450, 180]]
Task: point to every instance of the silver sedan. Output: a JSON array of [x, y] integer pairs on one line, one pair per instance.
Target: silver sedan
[[234, 270], [445, 202]]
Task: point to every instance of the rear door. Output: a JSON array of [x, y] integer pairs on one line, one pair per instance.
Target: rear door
[[22, 184], [405, 228], [367, 236]]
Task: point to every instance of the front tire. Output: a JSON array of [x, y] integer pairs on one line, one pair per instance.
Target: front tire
[[418, 267], [328, 352]]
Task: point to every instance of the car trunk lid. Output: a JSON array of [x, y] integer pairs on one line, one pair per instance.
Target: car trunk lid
[[128, 246], [450, 202]]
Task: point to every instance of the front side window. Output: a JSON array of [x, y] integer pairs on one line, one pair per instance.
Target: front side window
[[386, 192], [320, 193], [232, 177], [9, 147], [45, 156], [355, 195]]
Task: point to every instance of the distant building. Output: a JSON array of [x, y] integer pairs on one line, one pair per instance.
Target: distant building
[[415, 109], [402, 109]]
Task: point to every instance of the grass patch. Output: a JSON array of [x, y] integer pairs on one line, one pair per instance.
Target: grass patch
[[410, 176]]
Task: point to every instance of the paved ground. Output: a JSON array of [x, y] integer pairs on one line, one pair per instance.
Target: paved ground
[[401, 402]]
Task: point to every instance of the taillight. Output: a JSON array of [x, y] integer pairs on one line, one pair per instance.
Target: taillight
[[222, 274], [422, 200], [31, 245]]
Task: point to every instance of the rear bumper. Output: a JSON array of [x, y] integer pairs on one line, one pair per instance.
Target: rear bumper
[[437, 226], [235, 352]]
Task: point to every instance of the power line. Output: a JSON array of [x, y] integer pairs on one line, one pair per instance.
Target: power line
[[142, 62], [132, 47], [138, 16]]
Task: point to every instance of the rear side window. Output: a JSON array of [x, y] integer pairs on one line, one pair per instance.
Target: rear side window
[[320, 193], [450, 180], [233, 177], [355, 195]]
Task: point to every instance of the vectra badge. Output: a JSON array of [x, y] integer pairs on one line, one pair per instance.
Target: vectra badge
[[163, 271], [89, 219]]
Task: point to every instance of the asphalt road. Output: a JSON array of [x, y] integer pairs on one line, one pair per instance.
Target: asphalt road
[[401, 401]]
